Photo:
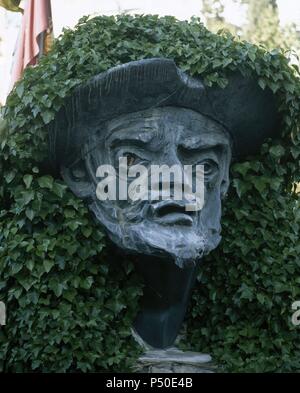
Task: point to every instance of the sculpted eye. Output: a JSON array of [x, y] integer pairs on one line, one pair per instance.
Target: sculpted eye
[[131, 159], [210, 168]]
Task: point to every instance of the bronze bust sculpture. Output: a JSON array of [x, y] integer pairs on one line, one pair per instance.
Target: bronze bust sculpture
[[152, 113]]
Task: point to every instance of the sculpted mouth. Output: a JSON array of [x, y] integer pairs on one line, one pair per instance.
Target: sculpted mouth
[[171, 213]]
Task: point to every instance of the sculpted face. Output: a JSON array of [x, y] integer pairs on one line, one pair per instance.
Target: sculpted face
[[160, 136]]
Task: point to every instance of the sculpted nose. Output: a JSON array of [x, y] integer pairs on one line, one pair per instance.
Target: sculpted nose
[[171, 158], [174, 164], [167, 178]]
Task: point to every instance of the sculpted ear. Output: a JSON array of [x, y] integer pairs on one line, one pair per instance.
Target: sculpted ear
[[226, 176], [224, 187], [77, 179]]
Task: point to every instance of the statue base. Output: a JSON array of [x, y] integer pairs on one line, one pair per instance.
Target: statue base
[[173, 360]]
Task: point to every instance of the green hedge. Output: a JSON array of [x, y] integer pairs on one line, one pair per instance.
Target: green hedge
[[70, 300]]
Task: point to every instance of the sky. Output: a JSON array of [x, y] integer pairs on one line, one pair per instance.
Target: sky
[[67, 12]]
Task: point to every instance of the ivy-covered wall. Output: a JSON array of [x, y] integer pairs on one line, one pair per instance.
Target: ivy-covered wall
[[70, 300]]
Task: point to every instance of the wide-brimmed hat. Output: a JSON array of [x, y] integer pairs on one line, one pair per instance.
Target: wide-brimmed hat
[[248, 113]]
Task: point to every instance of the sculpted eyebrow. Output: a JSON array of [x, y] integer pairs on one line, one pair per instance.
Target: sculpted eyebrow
[[200, 145], [141, 138]]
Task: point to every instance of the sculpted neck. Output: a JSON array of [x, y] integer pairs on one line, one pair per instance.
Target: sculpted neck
[[166, 294]]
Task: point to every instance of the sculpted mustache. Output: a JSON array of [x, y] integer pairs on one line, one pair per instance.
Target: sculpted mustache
[[139, 210]]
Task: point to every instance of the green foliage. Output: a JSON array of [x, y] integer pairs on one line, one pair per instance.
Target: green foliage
[[262, 26], [70, 302], [247, 286], [67, 299]]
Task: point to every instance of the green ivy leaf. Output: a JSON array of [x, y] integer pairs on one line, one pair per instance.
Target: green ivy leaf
[[28, 180], [9, 176], [277, 151], [30, 214], [48, 265], [47, 116], [46, 182]]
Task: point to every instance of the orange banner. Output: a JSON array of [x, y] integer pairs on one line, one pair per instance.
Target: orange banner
[[36, 36]]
